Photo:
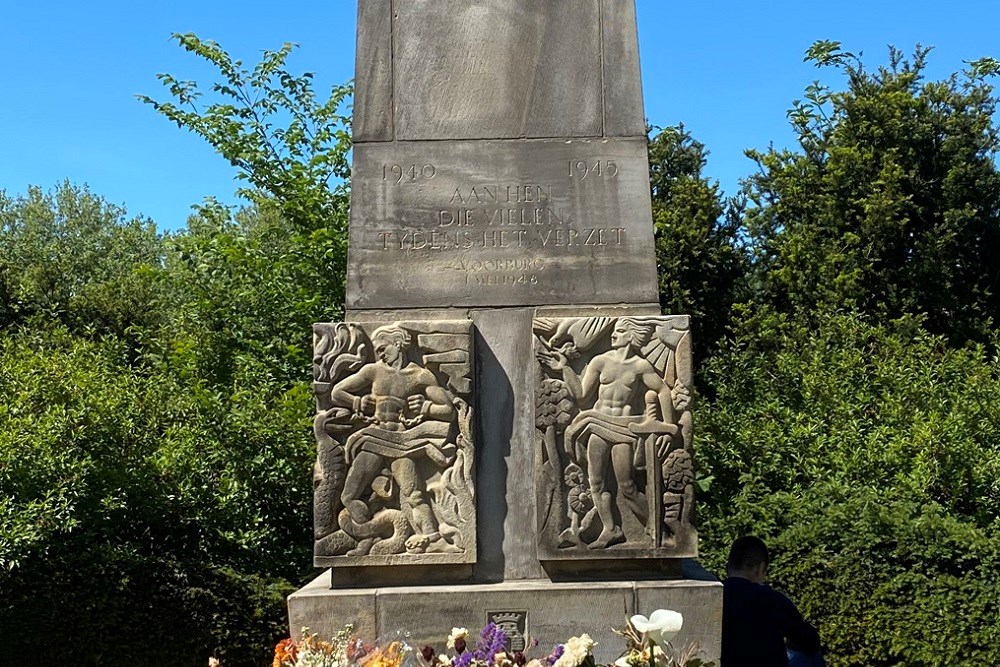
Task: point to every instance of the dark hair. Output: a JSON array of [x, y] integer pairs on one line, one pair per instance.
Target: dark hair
[[747, 552]]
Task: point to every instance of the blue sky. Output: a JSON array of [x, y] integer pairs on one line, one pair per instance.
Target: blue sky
[[69, 73]]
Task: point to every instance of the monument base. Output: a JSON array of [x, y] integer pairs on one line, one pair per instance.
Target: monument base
[[539, 609]]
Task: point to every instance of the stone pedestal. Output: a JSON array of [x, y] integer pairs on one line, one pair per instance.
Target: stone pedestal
[[551, 612]]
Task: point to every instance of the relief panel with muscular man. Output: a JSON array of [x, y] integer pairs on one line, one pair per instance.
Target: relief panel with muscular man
[[394, 478], [613, 437]]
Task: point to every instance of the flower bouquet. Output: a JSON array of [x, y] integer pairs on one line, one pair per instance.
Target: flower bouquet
[[649, 642], [648, 646]]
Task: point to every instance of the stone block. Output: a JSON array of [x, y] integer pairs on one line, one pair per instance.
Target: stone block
[[325, 612], [548, 612], [614, 473], [623, 110], [497, 69], [373, 114], [395, 473], [553, 612], [507, 69], [506, 466], [489, 224], [699, 601]]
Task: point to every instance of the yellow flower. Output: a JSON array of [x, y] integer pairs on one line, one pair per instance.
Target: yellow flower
[[456, 634], [390, 656]]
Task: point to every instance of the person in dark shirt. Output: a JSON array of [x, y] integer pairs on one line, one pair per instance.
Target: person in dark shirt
[[756, 619]]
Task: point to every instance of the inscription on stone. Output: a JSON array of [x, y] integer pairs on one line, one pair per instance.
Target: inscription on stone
[[394, 479], [613, 428], [539, 222]]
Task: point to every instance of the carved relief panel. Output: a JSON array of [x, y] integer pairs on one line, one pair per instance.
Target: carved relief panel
[[394, 477], [614, 474]]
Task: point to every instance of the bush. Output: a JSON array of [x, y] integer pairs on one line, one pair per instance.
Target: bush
[[867, 455], [142, 523], [154, 463]]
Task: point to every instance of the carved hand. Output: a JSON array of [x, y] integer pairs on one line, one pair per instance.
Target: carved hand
[[663, 445], [554, 359], [415, 403], [570, 350], [368, 404]]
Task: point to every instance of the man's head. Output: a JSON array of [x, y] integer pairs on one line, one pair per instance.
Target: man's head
[[748, 559], [628, 331], [390, 342]]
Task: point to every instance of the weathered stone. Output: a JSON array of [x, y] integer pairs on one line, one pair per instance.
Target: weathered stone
[[510, 68], [324, 613], [623, 111], [434, 224], [613, 424], [506, 481], [395, 475], [497, 69], [699, 601], [373, 113], [539, 609]]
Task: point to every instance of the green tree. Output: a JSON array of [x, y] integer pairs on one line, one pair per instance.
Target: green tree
[[69, 256], [144, 519], [891, 204], [245, 286], [867, 456], [155, 436], [855, 425], [288, 145], [700, 261]]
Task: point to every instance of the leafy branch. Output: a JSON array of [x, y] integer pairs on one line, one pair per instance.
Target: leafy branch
[[291, 147]]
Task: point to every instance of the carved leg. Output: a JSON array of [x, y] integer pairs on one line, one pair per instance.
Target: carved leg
[[598, 458], [570, 536], [621, 459], [363, 471], [608, 536], [555, 490], [412, 495]]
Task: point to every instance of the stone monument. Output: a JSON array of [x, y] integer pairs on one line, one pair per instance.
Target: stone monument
[[503, 420]]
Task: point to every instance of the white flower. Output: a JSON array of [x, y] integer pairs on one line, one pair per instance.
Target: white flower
[[456, 634], [575, 651], [660, 627], [444, 660]]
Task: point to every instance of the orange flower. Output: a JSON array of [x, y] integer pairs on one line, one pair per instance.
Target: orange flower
[[390, 656], [285, 653]]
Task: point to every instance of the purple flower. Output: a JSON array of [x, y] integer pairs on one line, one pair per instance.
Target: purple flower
[[555, 655], [492, 640]]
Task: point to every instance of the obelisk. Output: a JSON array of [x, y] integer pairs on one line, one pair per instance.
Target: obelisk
[[504, 419]]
